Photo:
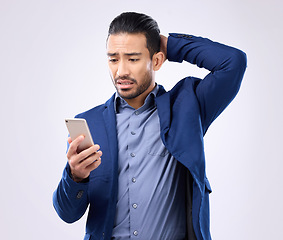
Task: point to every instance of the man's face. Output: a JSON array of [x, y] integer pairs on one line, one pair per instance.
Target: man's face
[[130, 65]]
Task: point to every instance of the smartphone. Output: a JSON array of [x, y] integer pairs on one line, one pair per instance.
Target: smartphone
[[77, 127]]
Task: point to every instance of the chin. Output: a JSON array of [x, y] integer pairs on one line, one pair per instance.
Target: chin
[[127, 96]]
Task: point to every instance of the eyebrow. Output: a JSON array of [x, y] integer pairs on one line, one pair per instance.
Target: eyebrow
[[127, 54]]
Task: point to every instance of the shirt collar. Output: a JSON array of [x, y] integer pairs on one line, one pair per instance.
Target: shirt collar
[[120, 103]]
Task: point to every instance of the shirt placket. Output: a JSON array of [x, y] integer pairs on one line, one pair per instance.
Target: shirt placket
[[134, 144]]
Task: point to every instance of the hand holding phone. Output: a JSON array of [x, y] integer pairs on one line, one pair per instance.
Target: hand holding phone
[[82, 154]]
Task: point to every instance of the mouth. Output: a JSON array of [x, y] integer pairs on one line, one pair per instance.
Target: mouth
[[124, 84]]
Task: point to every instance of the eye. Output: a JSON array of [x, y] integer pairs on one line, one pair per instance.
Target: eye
[[113, 60], [133, 59]]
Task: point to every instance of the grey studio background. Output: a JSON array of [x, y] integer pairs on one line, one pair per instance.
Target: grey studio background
[[53, 66]]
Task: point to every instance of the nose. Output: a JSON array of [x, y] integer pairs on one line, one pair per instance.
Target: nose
[[123, 69]]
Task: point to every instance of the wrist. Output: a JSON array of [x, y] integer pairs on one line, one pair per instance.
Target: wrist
[[78, 179]]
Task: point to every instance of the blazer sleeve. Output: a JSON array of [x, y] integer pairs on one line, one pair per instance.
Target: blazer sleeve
[[70, 199], [226, 65]]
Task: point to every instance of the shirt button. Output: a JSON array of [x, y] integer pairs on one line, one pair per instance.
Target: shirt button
[[135, 205], [137, 112], [133, 133], [133, 155], [136, 233], [134, 180]]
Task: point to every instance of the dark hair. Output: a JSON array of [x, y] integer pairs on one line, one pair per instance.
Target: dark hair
[[132, 22]]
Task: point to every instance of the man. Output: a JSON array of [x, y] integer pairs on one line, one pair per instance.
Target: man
[[150, 182]]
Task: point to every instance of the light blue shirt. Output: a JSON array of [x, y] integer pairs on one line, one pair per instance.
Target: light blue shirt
[[151, 183]]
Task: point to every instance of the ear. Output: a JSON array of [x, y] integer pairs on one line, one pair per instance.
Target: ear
[[157, 60]]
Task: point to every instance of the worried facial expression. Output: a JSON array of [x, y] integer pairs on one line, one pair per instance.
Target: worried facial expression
[[130, 65]]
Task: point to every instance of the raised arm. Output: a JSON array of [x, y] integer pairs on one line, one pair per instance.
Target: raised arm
[[226, 65]]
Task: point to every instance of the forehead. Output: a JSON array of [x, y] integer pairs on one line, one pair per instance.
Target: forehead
[[126, 43]]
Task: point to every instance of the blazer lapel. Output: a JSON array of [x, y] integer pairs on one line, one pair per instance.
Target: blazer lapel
[[164, 111], [110, 124]]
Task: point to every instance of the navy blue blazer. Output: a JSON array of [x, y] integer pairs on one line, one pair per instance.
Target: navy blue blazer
[[185, 112]]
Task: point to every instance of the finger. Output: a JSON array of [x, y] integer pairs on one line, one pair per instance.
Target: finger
[[69, 140], [91, 159], [94, 165], [89, 151], [81, 171], [77, 159], [74, 146]]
